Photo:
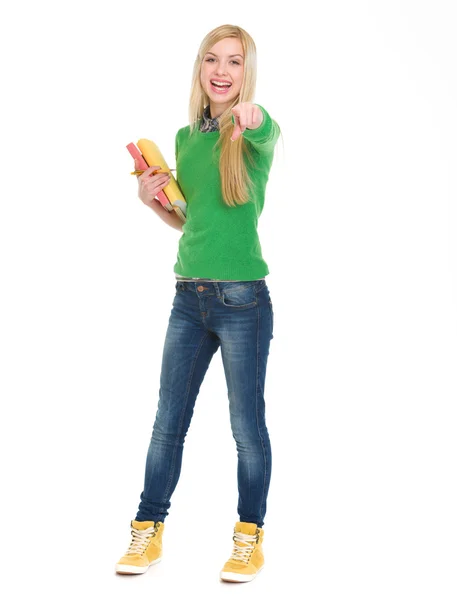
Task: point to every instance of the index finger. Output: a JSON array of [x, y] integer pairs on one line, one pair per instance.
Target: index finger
[[236, 130], [153, 169]]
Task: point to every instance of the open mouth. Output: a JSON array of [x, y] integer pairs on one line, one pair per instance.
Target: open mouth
[[220, 88]]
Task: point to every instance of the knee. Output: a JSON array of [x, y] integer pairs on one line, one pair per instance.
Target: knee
[[248, 433], [167, 431]]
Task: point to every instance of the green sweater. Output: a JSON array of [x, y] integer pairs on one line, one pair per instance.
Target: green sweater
[[219, 241]]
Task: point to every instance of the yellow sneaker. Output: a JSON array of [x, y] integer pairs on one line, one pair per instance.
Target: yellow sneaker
[[145, 548], [247, 556]]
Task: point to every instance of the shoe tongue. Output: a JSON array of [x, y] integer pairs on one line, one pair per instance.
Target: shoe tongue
[[141, 525], [243, 527]]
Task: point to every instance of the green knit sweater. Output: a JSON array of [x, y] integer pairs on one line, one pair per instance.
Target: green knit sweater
[[219, 241]]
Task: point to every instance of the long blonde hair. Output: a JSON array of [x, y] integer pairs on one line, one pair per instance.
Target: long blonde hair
[[235, 180]]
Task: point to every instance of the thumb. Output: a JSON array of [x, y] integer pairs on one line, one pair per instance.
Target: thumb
[[136, 167]]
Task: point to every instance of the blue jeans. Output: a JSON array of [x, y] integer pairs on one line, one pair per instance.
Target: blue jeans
[[238, 316]]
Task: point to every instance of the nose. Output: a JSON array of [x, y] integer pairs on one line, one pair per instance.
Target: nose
[[221, 68]]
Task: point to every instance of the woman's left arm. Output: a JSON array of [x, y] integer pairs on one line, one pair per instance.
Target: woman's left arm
[[255, 124]]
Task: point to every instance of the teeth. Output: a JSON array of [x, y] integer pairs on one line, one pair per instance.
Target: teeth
[[221, 84]]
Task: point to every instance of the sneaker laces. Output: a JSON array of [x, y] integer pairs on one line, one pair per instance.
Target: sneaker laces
[[141, 539], [243, 553]]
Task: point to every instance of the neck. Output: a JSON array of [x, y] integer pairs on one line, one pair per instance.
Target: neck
[[215, 110]]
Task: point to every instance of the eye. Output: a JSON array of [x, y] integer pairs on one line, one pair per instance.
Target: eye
[[233, 61]]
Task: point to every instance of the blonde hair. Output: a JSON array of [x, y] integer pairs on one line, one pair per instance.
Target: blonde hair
[[235, 180]]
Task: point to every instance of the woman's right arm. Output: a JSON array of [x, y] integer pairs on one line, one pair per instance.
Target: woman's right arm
[[170, 218], [149, 186]]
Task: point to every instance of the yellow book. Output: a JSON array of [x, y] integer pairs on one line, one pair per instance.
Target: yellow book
[[153, 156]]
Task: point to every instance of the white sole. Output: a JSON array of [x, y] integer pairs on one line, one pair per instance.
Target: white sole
[[134, 570], [238, 577]]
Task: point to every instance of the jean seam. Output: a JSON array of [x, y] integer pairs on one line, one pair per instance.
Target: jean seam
[[257, 416], [172, 469]]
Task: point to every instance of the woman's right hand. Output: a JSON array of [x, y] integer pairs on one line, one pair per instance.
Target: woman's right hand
[[150, 185]]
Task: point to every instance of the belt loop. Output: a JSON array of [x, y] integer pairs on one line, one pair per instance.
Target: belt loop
[[218, 293], [260, 285]]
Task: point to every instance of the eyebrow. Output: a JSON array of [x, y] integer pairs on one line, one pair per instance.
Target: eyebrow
[[231, 55]]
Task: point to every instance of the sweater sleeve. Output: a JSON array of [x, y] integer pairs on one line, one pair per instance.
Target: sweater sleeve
[[264, 138]]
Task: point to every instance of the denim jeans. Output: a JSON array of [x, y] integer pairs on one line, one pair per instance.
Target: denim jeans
[[238, 317]]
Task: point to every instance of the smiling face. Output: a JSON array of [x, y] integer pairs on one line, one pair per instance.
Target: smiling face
[[223, 63]]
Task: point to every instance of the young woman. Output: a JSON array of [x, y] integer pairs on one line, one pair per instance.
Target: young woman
[[221, 298]]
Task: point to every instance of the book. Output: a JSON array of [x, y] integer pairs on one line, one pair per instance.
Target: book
[[147, 154]]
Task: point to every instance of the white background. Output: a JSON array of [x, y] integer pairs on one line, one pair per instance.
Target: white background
[[359, 232]]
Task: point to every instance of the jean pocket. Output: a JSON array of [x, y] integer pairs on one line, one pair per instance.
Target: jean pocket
[[239, 296]]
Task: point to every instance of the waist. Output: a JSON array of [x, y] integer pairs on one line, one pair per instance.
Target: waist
[[179, 278]]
